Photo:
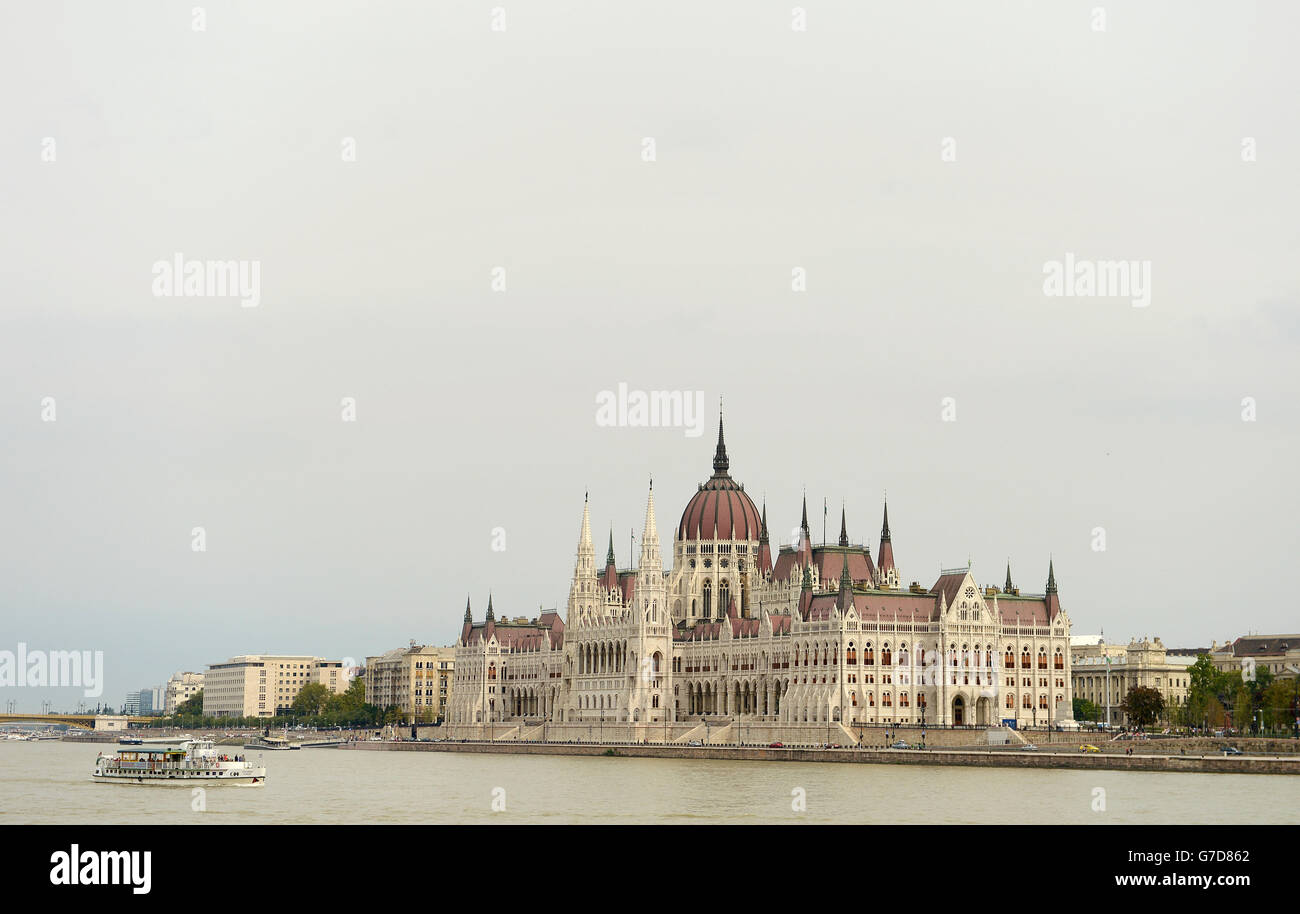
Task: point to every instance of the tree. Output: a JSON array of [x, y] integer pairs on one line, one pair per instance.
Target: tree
[[1085, 710], [311, 700], [1143, 706], [192, 706]]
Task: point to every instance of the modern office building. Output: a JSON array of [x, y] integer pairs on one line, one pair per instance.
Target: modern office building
[[264, 685]]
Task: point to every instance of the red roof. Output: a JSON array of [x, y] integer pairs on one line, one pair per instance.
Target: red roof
[[720, 510]]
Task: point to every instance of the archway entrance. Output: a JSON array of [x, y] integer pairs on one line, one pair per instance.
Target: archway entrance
[[982, 712], [958, 711]]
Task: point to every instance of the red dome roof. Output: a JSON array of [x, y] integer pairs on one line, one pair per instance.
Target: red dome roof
[[720, 510]]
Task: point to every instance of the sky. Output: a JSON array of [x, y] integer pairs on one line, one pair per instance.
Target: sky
[[458, 224]]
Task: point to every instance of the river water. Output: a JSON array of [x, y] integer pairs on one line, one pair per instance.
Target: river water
[[49, 782]]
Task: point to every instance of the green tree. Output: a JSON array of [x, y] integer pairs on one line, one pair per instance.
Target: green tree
[[1143, 706], [311, 700], [1085, 710]]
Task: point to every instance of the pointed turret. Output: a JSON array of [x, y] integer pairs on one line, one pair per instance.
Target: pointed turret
[[885, 569], [651, 561], [468, 625], [844, 530], [1052, 600], [845, 598], [491, 617], [804, 546], [609, 556], [805, 593], [764, 549], [490, 627], [609, 578], [468, 617], [720, 461], [1007, 588]]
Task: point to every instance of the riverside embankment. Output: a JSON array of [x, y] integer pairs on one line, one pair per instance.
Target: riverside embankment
[[986, 758]]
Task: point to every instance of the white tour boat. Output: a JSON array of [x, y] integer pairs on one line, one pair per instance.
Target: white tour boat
[[194, 761]]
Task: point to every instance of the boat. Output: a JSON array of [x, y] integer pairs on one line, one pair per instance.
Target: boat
[[192, 761], [323, 744], [273, 743], [130, 741]]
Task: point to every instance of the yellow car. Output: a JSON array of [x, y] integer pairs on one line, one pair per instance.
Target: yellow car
[[1088, 748]]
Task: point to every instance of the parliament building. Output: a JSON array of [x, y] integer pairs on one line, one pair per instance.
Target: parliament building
[[740, 644]]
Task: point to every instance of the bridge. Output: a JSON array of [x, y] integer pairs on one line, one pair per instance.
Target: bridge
[[79, 721]]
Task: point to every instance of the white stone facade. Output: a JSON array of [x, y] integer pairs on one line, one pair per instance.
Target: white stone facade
[[823, 636]]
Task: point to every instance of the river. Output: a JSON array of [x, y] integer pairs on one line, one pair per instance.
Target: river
[[49, 782]]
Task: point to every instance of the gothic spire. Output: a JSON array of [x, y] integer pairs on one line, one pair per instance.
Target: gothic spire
[[1008, 586], [720, 461], [803, 524], [884, 530], [609, 558], [844, 532], [1051, 577], [846, 585], [762, 536], [490, 616], [468, 617]]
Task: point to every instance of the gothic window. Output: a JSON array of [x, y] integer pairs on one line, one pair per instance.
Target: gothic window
[[724, 592], [708, 600]]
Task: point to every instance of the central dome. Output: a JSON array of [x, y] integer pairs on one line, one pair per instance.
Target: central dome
[[720, 510]]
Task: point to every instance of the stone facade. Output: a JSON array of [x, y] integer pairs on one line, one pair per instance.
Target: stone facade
[[819, 637], [1144, 663], [417, 680]]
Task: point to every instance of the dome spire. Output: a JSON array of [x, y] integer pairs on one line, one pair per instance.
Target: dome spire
[[720, 461]]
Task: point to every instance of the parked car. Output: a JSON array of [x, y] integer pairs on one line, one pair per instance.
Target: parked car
[[1029, 746], [695, 742], [1230, 750], [1088, 747], [901, 744], [776, 745]]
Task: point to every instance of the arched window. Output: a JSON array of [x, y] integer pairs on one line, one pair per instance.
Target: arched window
[[1011, 700], [1024, 659], [708, 599], [884, 655], [1059, 662], [724, 601], [1042, 658], [1026, 703], [869, 655], [1009, 661], [851, 655]]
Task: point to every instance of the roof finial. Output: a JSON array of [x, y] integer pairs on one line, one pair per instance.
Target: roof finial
[[720, 461]]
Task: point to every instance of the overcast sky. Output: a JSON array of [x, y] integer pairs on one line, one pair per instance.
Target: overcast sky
[[775, 149]]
